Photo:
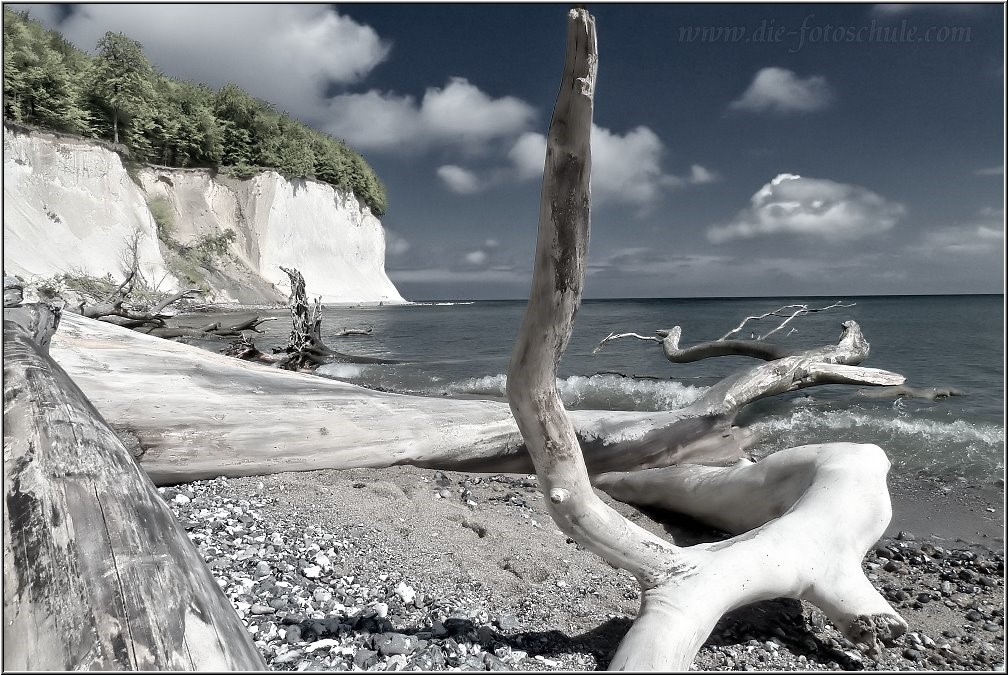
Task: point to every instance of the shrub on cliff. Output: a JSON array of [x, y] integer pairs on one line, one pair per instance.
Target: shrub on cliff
[[118, 95]]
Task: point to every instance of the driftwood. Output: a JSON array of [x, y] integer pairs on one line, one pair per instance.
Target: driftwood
[[212, 330], [808, 514], [305, 350], [13, 291], [905, 391], [98, 574], [268, 420]]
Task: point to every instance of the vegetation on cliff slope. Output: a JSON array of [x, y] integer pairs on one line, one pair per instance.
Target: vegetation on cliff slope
[[119, 96]]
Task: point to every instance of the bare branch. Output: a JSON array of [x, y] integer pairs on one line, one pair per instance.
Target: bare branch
[[615, 336], [799, 310]]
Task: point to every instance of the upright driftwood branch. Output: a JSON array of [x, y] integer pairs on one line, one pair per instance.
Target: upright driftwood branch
[[800, 496], [98, 574], [557, 281]]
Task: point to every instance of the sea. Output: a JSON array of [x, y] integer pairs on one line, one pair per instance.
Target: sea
[[461, 349]]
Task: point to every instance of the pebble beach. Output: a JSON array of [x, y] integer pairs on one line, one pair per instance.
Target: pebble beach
[[411, 569]]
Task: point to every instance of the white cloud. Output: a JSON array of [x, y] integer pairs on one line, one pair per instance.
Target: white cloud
[[458, 114], [701, 176], [991, 171], [458, 179], [284, 53], [811, 207], [978, 236], [780, 90], [491, 243], [625, 168], [395, 245], [476, 257], [528, 155], [968, 240]]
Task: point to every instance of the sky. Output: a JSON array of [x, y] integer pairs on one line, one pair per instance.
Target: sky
[[738, 149]]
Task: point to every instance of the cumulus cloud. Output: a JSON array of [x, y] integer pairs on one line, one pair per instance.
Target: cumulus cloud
[[810, 207], [458, 179], [528, 155], [319, 45], [701, 176], [458, 114], [626, 168], [780, 90]]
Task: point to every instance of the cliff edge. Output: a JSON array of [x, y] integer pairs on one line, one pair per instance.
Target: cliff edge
[[70, 205]]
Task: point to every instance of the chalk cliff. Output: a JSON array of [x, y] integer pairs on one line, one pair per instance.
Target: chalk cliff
[[71, 205]]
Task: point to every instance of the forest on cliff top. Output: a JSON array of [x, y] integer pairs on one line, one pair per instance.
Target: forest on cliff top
[[117, 95]]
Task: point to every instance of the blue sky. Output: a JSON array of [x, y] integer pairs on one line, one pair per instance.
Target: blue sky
[[799, 150]]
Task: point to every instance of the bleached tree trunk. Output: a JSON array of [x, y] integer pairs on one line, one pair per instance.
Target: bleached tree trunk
[[98, 574], [814, 510]]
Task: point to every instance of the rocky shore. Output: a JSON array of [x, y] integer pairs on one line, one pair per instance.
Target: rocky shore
[[409, 569]]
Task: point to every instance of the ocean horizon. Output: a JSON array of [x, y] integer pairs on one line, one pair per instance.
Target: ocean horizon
[[461, 349]]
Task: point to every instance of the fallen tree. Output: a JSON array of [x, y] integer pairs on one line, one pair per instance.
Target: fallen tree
[[265, 420], [808, 515], [305, 349], [97, 571]]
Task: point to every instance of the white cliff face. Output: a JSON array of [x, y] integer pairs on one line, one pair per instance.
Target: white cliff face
[[71, 205], [336, 243]]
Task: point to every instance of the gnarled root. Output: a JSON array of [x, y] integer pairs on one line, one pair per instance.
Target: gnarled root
[[804, 518]]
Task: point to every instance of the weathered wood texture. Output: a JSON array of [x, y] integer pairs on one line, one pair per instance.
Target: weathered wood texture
[[808, 514], [264, 420], [97, 572], [557, 284]]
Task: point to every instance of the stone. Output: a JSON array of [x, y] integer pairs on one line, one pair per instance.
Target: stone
[[261, 609], [293, 635], [365, 658], [405, 593], [912, 654], [312, 572], [492, 662]]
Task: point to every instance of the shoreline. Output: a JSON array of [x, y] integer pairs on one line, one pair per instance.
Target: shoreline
[[405, 568], [940, 508]]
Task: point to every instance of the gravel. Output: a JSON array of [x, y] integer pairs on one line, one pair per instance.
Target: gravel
[[410, 569]]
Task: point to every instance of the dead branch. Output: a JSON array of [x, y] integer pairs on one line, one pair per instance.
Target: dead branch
[[906, 391], [617, 336], [354, 331], [799, 310], [808, 494]]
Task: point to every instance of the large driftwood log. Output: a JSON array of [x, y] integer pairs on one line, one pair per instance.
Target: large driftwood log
[[809, 514], [267, 420], [98, 574]]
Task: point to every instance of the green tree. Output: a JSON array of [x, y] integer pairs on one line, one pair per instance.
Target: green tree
[[123, 78]]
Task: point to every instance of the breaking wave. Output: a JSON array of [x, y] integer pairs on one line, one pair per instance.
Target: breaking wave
[[913, 443], [601, 392]]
